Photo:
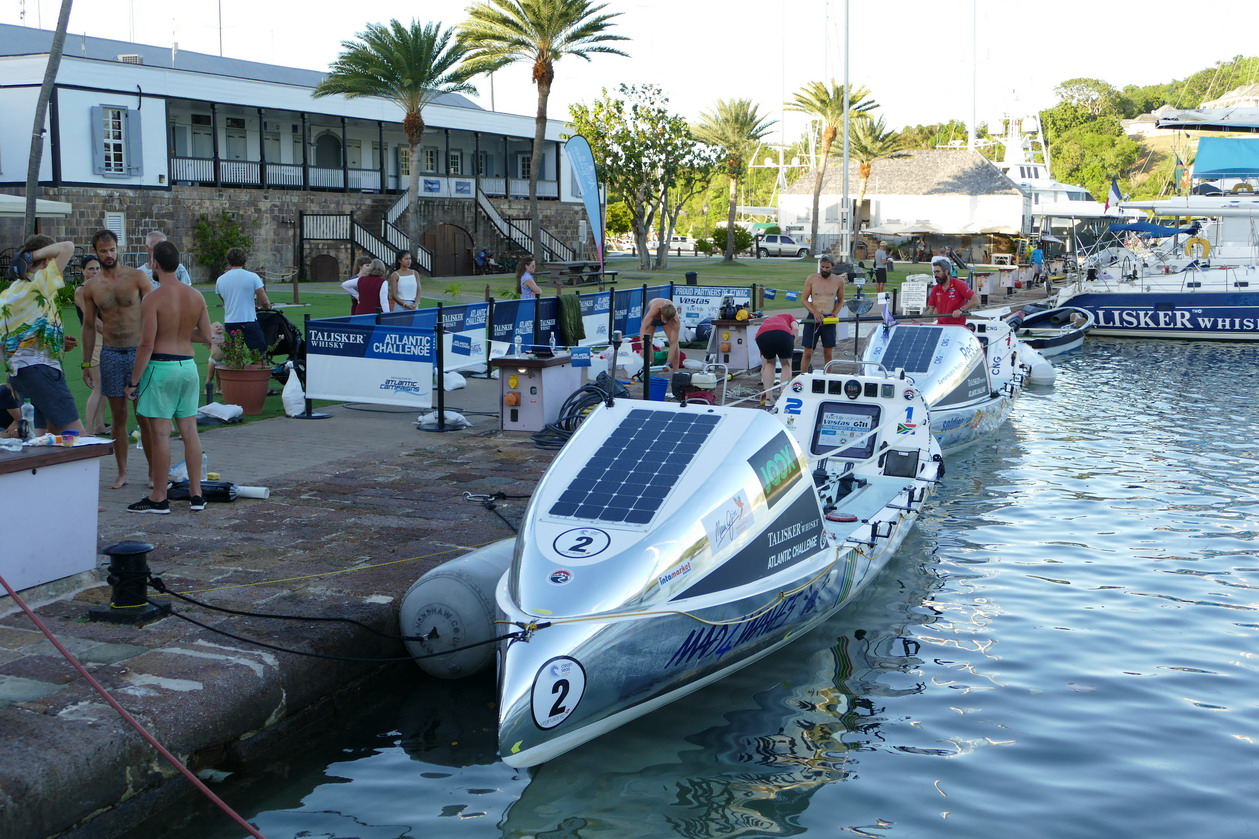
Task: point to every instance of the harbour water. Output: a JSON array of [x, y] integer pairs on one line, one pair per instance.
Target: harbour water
[[1065, 647]]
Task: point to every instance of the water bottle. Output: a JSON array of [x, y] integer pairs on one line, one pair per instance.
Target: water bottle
[[552, 342], [26, 425], [516, 349]]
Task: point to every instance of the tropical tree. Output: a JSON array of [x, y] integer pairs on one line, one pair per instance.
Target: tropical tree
[[825, 102], [412, 65], [41, 109], [868, 143], [502, 32], [736, 127], [645, 155]]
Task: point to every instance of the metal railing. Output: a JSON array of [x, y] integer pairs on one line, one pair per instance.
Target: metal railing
[[341, 227]]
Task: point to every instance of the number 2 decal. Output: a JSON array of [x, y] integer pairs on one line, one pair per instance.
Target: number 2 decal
[[560, 689], [557, 691], [793, 405], [581, 543]]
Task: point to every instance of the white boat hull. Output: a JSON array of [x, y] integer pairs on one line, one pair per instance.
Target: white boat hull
[[634, 665]]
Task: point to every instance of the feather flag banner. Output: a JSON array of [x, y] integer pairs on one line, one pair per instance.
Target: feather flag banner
[[582, 159]]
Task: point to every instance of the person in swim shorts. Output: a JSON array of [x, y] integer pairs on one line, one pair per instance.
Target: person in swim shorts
[[167, 383]]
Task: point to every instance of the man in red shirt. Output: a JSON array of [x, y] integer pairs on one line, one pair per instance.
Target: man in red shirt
[[949, 297]]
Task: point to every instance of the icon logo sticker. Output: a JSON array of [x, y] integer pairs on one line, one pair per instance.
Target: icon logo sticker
[[560, 576]]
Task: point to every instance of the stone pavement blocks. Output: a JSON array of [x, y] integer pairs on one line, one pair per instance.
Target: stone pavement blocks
[[13, 638], [14, 688]]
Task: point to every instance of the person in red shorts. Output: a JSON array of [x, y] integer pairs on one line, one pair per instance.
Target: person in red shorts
[[776, 339], [949, 297]]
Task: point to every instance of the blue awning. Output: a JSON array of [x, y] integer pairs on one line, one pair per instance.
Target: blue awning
[[1227, 157], [1155, 230]]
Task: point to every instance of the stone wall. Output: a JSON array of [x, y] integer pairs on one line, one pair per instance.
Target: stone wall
[[272, 217]]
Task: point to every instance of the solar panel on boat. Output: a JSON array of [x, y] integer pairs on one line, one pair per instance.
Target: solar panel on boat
[[628, 479], [912, 348]]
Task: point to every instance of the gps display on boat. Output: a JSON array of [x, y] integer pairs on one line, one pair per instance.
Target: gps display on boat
[[846, 426]]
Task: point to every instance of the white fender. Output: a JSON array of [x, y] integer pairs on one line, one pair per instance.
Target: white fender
[[1040, 371], [453, 606]]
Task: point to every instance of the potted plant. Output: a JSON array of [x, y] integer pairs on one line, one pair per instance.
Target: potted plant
[[244, 374]]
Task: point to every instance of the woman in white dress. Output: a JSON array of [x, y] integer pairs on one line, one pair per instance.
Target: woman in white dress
[[404, 284]]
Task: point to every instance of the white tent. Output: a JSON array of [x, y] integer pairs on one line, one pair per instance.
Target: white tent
[[15, 206]]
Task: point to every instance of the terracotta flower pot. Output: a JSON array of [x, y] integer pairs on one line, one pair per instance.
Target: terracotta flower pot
[[245, 387]]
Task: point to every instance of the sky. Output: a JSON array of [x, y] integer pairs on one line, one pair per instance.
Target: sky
[[914, 55]]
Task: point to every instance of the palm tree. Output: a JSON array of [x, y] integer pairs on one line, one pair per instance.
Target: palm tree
[[41, 109], [869, 142], [826, 103], [735, 127], [502, 32], [411, 65]]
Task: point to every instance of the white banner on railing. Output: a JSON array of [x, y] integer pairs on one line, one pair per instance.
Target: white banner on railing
[[361, 361]]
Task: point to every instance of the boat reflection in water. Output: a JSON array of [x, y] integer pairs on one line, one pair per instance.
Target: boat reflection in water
[[744, 757]]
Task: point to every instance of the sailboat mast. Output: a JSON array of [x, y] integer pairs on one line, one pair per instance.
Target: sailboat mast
[[846, 235], [974, 63]]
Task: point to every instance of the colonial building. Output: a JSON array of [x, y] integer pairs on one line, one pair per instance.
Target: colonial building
[[140, 138]]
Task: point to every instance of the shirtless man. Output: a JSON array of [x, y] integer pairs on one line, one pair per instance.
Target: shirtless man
[[823, 296], [661, 313], [114, 295], [166, 380]]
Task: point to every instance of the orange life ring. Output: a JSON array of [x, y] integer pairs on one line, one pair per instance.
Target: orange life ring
[[1243, 187], [1196, 241]]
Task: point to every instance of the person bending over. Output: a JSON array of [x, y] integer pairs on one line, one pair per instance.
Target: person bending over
[[662, 314]]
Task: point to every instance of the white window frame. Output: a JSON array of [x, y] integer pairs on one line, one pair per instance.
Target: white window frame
[[428, 156], [454, 163]]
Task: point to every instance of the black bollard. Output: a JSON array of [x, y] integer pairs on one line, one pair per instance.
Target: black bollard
[[129, 579]]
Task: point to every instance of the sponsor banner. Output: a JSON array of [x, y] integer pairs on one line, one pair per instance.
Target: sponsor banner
[[629, 307], [511, 318], [463, 330], [581, 356], [380, 364], [594, 316], [695, 303]]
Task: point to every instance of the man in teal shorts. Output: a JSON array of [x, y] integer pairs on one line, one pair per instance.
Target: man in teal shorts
[[166, 380]]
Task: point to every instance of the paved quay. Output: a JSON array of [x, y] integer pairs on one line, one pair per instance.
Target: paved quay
[[361, 505]]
